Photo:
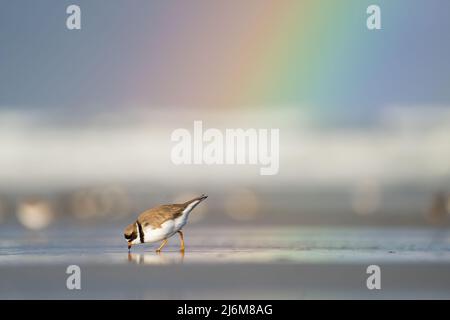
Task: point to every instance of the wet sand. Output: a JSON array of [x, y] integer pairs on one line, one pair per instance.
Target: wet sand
[[233, 263]]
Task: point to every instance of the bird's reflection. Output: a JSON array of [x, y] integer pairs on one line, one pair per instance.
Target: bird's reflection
[[153, 258]]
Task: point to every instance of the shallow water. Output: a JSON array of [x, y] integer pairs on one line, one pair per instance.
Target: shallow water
[[230, 245], [228, 262]]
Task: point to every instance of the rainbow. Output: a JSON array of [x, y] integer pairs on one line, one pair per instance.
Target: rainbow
[[311, 54]]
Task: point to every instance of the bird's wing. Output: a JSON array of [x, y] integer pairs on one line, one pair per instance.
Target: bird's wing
[[155, 217]]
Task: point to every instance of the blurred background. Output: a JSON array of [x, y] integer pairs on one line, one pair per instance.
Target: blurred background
[[86, 115], [86, 118]]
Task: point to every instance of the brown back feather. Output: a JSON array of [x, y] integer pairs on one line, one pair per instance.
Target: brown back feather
[[158, 215], [155, 217]]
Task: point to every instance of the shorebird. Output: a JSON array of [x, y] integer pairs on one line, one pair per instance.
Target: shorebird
[[160, 223]]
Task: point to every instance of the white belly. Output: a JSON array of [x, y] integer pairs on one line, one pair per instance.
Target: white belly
[[181, 221], [168, 228]]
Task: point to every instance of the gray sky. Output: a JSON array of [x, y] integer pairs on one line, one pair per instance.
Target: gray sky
[[45, 66]]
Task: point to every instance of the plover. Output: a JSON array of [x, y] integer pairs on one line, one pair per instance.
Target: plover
[[160, 223]]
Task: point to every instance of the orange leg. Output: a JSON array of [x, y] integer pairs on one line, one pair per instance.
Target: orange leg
[[162, 245], [182, 240]]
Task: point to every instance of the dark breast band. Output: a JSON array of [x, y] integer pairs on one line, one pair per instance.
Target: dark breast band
[[141, 232]]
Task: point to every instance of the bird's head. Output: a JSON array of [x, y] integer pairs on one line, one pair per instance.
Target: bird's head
[[130, 233]]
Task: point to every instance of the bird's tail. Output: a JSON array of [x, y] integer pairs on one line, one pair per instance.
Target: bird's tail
[[201, 198]]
